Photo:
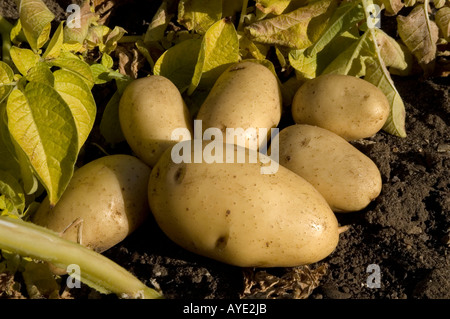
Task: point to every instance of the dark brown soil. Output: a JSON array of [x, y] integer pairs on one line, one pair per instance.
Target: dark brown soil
[[405, 231]]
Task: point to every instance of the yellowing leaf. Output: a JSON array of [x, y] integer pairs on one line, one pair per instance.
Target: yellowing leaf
[[36, 21], [219, 49], [76, 66], [274, 6], [297, 29], [77, 33], [159, 23], [41, 73], [420, 35], [78, 97], [55, 45], [199, 15], [11, 189], [390, 51], [24, 59], [42, 125], [6, 79], [393, 6], [443, 21]]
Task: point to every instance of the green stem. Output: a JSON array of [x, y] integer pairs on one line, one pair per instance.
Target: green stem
[[242, 16], [5, 32], [96, 270]]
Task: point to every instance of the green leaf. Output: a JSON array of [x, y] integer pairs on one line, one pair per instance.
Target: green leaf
[[420, 35], [80, 100], [219, 49], [178, 63], [36, 20], [41, 73], [310, 66], [345, 17], [13, 192], [7, 152], [352, 60], [24, 59], [107, 61], [6, 80], [199, 15], [297, 29], [42, 125], [76, 66], [56, 43], [110, 124]]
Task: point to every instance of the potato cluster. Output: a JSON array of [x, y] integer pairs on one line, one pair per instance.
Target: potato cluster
[[228, 210]]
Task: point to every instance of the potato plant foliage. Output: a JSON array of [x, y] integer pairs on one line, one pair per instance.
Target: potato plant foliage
[[47, 109]]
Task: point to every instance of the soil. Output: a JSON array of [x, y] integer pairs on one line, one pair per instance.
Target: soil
[[404, 235]]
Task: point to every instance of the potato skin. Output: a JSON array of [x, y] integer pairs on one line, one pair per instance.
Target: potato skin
[[247, 95], [109, 194], [149, 110], [232, 213], [346, 105], [347, 179]]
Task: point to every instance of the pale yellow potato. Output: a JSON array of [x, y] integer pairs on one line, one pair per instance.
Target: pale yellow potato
[[233, 213], [347, 178], [349, 106], [150, 109], [108, 196], [246, 98]]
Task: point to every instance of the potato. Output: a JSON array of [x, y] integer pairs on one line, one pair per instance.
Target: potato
[[232, 213], [346, 105], [108, 194], [347, 179], [149, 111], [246, 98]]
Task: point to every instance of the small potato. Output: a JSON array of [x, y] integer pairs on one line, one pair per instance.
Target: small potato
[[108, 196], [232, 213], [346, 105], [244, 99], [150, 109], [347, 179]]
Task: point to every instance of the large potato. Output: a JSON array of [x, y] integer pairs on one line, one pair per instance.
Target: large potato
[[232, 213], [347, 179], [245, 98], [150, 109], [346, 105], [108, 194]]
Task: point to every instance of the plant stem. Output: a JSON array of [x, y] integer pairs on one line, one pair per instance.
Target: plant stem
[[96, 270], [242, 16], [5, 32], [130, 38]]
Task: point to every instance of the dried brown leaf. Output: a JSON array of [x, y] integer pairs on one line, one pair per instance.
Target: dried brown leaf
[[393, 6], [9, 289], [420, 35], [130, 60]]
